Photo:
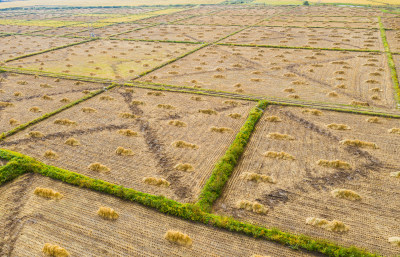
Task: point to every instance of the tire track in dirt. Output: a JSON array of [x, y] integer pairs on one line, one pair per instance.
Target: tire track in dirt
[[318, 183], [156, 147]]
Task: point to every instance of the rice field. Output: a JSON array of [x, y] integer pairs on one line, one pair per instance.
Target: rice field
[[199, 128]]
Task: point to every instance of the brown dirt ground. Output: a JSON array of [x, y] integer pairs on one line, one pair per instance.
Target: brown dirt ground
[[13, 46], [323, 38], [31, 95], [106, 58], [391, 23], [188, 33], [72, 223], [303, 188], [265, 71], [154, 156]]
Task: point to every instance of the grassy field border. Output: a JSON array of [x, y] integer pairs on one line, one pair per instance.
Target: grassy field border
[[20, 164], [391, 63], [227, 163]]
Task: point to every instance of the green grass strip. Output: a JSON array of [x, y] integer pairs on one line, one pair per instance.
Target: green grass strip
[[47, 115], [392, 66], [225, 166], [20, 164], [301, 47], [49, 50]]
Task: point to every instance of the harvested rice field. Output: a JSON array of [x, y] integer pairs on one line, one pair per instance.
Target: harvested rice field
[[254, 128], [24, 98], [115, 60], [73, 224], [157, 123], [189, 33], [14, 46], [301, 187], [316, 37], [312, 75]]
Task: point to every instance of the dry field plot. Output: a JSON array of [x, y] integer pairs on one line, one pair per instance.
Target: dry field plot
[[109, 30], [105, 59], [393, 38], [38, 16], [322, 38], [189, 33], [24, 98], [20, 28], [347, 19], [300, 183], [73, 224], [335, 11], [325, 24], [249, 11], [243, 20], [391, 23], [61, 31], [160, 122], [327, 76], [164, 18], [14, 46]]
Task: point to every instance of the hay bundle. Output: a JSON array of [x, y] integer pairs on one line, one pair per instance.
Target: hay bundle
[[273, 119], [165, 106], [334, 225], [232, 103], [65, 122], [187, 167], [255, 177], [98, 167], [313, 112], [235, 115], [45, 85], [106, 98], [359, 103], [127, 115], [373, 120], [72, 142], [279, 136], [289, 90], [22, 82], [221, 130], [46, 97], [6, 104], [50, 154], [376, 89], [346, 194], [34, 109], [183, 144], [178, 238], [47, 193], [88, 110], [332, 94], [107, 213], [137, 102], [65, 100], [177, 123], [395, 174], [338, 126], [359, 143], [156, 181], [336, 164], [55, 251], [17, 94], [123, 152], [13, 122], [196, 98], [341, 86], [395, 240], [208, 111], [279, 155], [252, 206], [394, 131], [128, 132], [35, 134]]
